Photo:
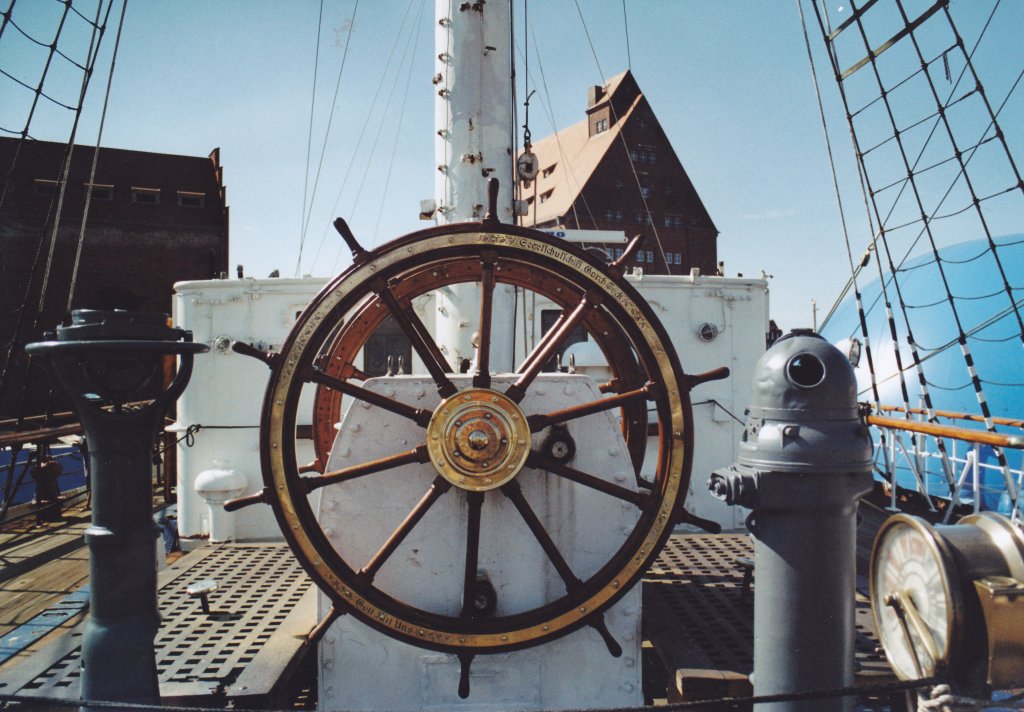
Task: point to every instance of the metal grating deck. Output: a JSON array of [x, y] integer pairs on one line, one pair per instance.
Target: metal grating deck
[[261, 612], [698, 618]]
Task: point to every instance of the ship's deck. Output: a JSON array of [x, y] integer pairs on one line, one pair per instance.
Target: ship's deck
[[698, 616], [699, 613]]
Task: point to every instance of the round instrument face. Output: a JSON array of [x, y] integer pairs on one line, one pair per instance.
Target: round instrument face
[[914, 597]]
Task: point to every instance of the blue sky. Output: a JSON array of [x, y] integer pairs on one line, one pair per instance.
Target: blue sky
[[729, 81]]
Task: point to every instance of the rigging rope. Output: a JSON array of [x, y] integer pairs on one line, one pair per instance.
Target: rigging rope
[[854, 269], [362, 133], [622, 138], [380, 130], [309, 141], [398, 128], [571, 174], [927, 140], [330, 121], [881, 234], [95, 160], [56, 205]]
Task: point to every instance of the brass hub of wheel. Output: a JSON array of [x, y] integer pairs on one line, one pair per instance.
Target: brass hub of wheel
[[478, 439]]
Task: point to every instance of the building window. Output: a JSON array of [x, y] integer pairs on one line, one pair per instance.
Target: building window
[[644, 155], [548, 171], [44, 187], [545, 195], [150, 196], [187, 199], [650, 256], [99, 192], [609, 215], [618, 252], [645, 190], [601, 125], [679, 259], [640, 256]]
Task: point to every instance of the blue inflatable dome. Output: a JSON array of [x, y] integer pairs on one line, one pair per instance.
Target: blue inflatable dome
[[989, 319]]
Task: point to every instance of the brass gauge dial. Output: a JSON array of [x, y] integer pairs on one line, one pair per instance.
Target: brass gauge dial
[[915, 597], [943, 595]]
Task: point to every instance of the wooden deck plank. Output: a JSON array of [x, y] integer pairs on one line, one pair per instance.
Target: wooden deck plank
[[39, 565]]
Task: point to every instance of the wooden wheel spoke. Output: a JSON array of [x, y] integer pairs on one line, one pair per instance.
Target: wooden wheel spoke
[[424, 345], [419, 455], [482, 377], [643, 501], [474, 500], [514, 493], [439, 486], [547, 347], [540, 421], [417, 415]]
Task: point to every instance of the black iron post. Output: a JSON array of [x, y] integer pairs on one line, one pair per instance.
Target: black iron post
[[103, 360]]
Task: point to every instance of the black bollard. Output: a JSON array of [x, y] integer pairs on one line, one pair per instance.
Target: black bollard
[[103, 360]]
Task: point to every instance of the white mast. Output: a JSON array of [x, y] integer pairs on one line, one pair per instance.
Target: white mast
[[473, 116]]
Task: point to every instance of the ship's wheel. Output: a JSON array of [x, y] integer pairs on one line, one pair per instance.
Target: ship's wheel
[[478, 440]]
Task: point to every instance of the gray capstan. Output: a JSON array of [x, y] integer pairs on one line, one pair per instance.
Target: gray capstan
[[804, 462]]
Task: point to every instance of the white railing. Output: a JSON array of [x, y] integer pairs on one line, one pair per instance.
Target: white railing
[[947, 463]]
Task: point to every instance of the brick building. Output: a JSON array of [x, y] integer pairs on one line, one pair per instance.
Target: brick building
[[616, 170], [154, 219]]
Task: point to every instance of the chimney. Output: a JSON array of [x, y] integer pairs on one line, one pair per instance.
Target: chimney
[[594, 95]]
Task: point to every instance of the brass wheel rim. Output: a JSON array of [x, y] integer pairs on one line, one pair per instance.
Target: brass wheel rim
[[311, 339]]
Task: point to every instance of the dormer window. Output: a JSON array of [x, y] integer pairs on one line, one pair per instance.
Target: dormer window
[[149, 196], [601, 125]]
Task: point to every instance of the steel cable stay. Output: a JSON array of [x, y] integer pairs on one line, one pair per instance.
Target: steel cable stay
[[330, 121], [357, 145], [625, 146], [309, 140], [549, 110], [408, 51], [95, 160], [854, 267], [398, 130]]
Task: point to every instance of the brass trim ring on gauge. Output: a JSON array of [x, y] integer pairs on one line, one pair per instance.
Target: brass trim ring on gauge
[[590, 296]]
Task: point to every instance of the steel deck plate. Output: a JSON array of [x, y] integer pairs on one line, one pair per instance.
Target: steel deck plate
[[261, 612], [697, 616]]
